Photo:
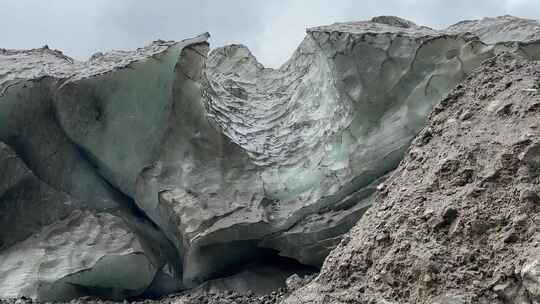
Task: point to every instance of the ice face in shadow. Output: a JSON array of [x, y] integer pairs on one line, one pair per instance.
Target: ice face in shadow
[[54, 249]]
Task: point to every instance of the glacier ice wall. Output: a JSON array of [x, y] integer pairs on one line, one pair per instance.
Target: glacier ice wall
[[195, 162], [60, 132]]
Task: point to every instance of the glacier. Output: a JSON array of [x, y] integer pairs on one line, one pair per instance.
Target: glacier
[[189, 162]]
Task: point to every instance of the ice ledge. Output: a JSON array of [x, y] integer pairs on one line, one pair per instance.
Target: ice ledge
[[378, 25], [22, 65]]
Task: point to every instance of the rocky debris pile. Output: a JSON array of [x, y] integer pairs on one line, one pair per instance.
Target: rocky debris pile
[[201, 296], [459, 220], [191, 165], [204, 298]]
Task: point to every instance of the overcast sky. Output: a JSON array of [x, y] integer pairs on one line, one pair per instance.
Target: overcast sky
[[270, 28]]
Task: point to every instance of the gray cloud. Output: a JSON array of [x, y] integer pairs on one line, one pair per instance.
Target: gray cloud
[[272, 29]]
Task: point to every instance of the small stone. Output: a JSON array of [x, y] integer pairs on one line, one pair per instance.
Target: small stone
[[520, 220], [466, 115], [505, 109], [530, 274], [500, 287], [511, 236], [293, 282], [449, 215], [531, 157], [427, 213], [382, 237]]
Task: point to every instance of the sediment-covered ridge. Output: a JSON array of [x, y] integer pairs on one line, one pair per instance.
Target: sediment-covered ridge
[[499, 29], [457, 222], [213, 161]]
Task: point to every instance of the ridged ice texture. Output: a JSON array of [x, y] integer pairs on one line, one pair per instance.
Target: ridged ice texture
[[64, 258], [52, 250], [260, 108]]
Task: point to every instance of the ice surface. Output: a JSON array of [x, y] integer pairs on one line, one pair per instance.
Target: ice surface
[[52, 250], [206, 159]]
